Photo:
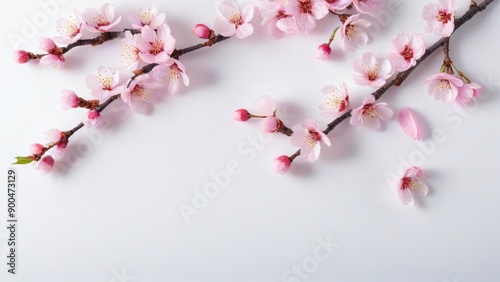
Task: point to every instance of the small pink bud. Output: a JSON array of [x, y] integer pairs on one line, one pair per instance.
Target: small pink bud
[[281, 164], [20, 56], [47, 44], [92, 118], [45, 165], [241, 115], [36, 149], [69, 99], [324, 52], [202, 31], [270, 125]]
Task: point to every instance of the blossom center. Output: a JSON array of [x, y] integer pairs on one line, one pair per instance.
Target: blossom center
[[174, 72], [443, 85], [312, 138], [351, 32], [235, 18], [306, 6], [407, 53], [157, 46], [410, 183], [70, 28], [443, 16], [146, 16], [139, 93], [102, 20], [105, 80], [371, 72], [369, 111]]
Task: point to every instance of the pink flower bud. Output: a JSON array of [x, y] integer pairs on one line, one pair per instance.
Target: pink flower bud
[[324, 52], [202, 31], [92, 118], [20, 56], [69, 99], [47, 44], [270, 125], [241, 115], [45, 165], [281, 164], [36, 149]]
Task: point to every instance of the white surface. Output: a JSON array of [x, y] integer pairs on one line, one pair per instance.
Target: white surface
[[117, 207]]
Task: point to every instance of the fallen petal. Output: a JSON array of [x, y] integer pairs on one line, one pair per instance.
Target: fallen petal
[[409, 124]]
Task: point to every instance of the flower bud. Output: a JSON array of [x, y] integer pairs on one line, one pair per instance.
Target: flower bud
[[69, 99], [47, 44], [45, 165], [324, 52], [281, 164], [92, 118], [271, 125], [20, 56], [241, 115], [202, 31], [36, 149]]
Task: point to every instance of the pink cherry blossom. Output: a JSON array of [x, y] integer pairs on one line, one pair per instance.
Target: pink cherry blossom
[[370, 114], [92, 118], [337, 100], [47, 44], [129, 51], [70, 29], [468, 93], [370, 7], [241, 115], [100, 20], [371, 71], [52, 60], [105, 84], [281, 164], [409, 123], [410, 185], [142, 94], [308, 137], [324, 52], [444, 86], [202, 31], [57, 137], [338, 5], [155, 47], [353, 33], [307, 12], [234, 19], [36, 149], [147, 17], [277, 21], [440, 17], [406, 50], [172, 72], [69, 99], [264, 105], [271, 124], [20, 56], [45, 165]]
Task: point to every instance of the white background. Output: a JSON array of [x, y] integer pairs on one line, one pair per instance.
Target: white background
[[116, 208]]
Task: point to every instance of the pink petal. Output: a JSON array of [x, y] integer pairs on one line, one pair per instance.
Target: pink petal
[[406, 197], [409, 124]]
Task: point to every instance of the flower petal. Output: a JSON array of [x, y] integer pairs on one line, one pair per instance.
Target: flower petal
[[409, 124]]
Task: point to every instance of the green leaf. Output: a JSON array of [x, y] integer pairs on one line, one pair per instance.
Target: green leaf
[[23, 160]]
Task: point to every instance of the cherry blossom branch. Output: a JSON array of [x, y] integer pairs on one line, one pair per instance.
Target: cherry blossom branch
[[144, 70], [474, 9]]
